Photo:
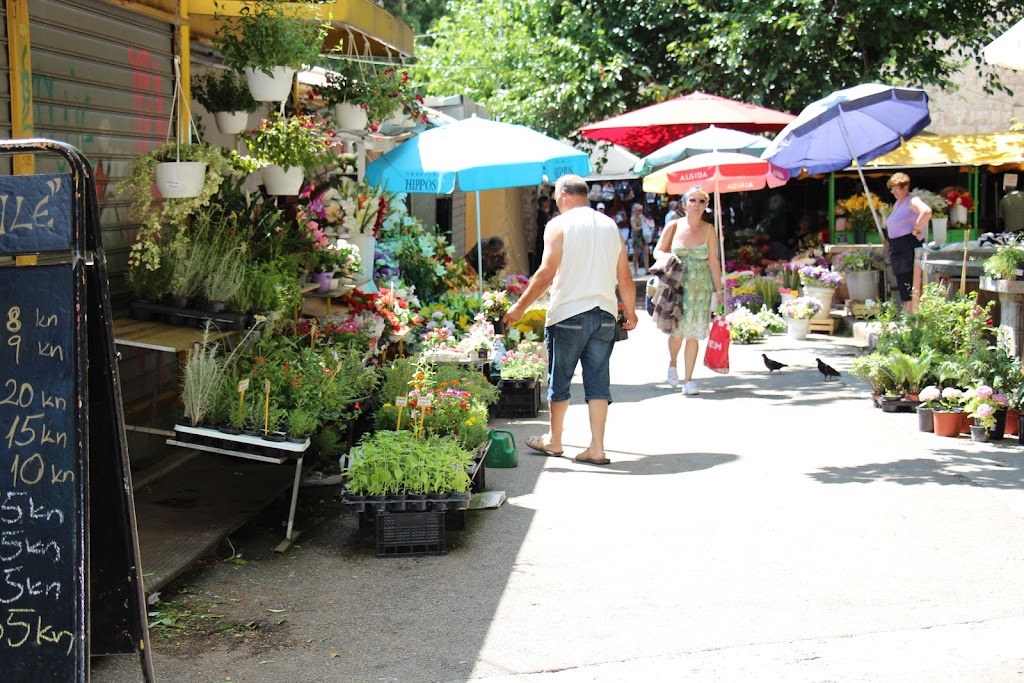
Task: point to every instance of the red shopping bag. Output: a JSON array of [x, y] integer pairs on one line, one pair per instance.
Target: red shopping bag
[[716, 353]]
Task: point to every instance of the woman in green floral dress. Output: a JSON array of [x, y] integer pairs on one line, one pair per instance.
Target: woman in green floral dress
[[693, 241]]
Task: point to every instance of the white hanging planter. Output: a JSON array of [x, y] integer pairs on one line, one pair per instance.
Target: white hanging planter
[[180, 179], [350, 116], [275, 88], [231, 122], [283, 181]]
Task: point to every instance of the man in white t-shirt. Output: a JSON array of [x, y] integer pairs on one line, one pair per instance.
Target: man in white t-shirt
[[584, 258]]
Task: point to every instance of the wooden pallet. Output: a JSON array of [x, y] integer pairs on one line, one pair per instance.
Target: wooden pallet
[[827, 326]]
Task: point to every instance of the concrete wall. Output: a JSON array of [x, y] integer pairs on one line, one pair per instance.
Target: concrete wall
[[969, 110]]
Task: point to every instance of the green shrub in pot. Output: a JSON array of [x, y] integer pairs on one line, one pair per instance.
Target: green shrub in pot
[[222, 90], [266, 34]]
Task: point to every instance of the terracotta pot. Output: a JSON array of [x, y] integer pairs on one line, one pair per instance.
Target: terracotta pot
[[946, 424]]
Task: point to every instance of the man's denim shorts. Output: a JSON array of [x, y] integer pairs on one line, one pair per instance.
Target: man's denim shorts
[[588, 337]]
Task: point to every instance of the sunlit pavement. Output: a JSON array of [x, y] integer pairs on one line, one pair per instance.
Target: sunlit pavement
[[772, 528]]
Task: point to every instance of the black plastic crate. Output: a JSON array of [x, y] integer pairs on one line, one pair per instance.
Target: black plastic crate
[[518, 399], [410, 534]]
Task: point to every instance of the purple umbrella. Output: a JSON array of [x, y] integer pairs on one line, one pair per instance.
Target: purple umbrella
[[857, 124]]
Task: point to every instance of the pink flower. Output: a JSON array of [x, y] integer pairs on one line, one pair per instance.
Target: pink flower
[[983, 391], [984, 410]]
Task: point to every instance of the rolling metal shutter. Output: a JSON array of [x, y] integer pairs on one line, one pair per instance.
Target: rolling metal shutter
[[102, 80]]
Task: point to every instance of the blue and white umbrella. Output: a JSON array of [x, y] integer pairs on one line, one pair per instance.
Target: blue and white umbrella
[[857, 124], [475, 154]]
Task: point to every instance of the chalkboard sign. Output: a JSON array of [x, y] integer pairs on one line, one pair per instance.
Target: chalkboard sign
[[41, 550], [35, 213], [64, 468]]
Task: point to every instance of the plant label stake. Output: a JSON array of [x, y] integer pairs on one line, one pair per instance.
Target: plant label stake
[[400, 402], [424, 402], [335, 373], [312, 334], [266, 407], [242, 386]]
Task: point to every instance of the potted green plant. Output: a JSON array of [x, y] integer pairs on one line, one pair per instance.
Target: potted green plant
[[225, 94], [155, 216], [392, 99], [222, 277], [861, 271], [201, 381], [288, 146], [348, 88], [986, 408], [268, 42], [1007, 262]]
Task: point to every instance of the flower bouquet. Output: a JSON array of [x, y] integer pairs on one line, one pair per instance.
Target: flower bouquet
[[800, 308], [515, 284], [936, 202], [480, 338], [746, 327], [858, 209], [960, 204], [819, 276], [523, 364]]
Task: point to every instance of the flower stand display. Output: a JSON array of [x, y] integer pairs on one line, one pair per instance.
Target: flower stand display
[[248, 448]]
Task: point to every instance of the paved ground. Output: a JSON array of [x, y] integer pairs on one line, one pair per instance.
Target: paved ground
[[773, 528]]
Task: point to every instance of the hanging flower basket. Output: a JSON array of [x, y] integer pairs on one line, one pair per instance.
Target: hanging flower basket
[[273, 88], [350, 116], [180, 179], [231, 122], [282, 181]]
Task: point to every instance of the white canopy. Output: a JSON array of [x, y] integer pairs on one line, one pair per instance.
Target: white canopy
[[619, 164], [1008, 49]]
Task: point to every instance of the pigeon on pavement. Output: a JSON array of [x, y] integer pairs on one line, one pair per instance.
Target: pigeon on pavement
[[772, 365], [826, 370]]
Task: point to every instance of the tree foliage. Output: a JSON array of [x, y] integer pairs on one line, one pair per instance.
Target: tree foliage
[[547, 64], [556, 65], [785, 54]]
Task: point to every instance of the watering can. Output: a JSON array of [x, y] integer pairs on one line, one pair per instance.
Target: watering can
[[502, 449]]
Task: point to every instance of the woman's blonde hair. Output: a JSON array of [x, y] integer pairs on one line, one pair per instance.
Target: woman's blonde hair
[[898, 179], [695, 191]]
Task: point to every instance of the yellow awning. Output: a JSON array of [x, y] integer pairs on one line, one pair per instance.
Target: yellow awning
[[372, 28], [983, 149]]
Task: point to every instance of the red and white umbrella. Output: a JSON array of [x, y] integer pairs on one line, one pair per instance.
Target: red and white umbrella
[[650, 128], [717, 173]]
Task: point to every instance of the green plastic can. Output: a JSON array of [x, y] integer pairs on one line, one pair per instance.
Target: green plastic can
[[502, 450]]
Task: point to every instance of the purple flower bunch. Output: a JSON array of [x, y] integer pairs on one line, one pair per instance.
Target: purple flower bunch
[[819, 276], [751, 302]]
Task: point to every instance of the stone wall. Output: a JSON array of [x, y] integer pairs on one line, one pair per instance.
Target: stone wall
[[969, 110]]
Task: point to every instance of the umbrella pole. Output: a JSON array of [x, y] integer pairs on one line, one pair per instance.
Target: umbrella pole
[[721, 242], [479, 253], [860, 172]]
